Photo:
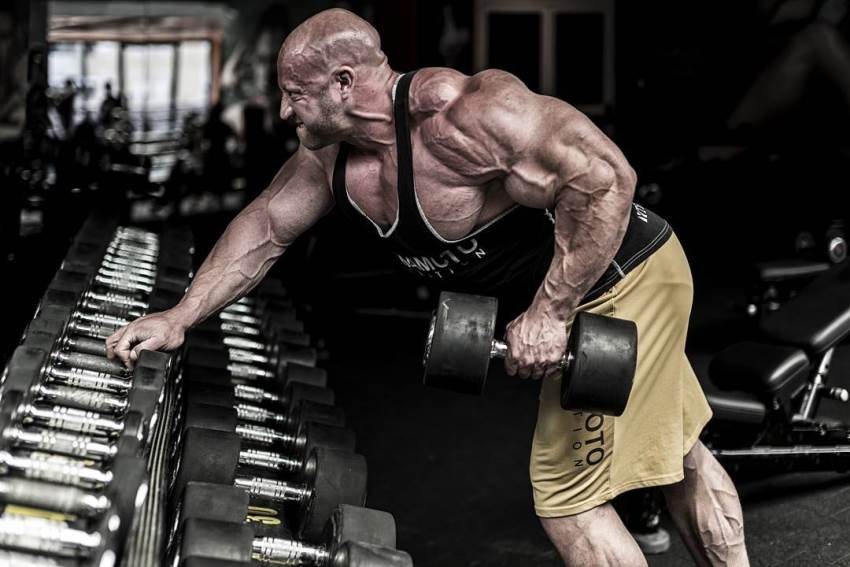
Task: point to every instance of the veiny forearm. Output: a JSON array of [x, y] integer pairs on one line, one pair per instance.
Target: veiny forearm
[[589, 228], [237, 262]]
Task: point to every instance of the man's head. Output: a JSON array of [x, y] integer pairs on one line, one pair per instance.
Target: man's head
[[325, 65]]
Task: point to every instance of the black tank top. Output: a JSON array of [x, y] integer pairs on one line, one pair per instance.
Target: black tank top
[[506, 258]]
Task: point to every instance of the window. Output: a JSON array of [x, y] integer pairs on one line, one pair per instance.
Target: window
[[562, 48]]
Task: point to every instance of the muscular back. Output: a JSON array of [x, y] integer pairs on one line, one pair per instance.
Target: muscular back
[[480, 145]]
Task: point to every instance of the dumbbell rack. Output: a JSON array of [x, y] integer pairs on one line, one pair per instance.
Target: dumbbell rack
[[245, 387], [109, 273]]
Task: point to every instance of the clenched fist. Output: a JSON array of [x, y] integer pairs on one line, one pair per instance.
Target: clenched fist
[[536, 345]]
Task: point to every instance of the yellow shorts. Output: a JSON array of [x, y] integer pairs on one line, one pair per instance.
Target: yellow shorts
[[580, 460]]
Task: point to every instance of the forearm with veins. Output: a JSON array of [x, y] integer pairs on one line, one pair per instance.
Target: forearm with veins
[[238, 261]]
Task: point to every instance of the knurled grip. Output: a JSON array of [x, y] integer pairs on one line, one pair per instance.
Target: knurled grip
[[253, 394], [288, 552], [42, 466], [268, 460], [65, 499], [273, 490], [46, 536], [89, 399], [59, 442], [247, 412], [89, 379], [263, 435], [92, 362], [71, 419]]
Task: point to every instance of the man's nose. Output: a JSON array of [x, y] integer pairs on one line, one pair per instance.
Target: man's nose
[[285, 109]]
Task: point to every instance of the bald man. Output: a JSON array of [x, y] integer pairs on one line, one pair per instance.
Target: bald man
[[483, 186]]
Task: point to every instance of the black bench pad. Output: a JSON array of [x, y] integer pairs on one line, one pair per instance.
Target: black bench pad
[[763, 369], [736, 407], [818, 317], [783, 270]]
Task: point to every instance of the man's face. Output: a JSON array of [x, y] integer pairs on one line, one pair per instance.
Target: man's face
[[310, 106]]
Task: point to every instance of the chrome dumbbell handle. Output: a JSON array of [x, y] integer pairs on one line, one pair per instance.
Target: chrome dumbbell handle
[[254, 394], [64, 499], [88, 330], [50, 468], [256, 414], [70, 419], [129, 262], [239, 318], [17, 559], [122, 285], [123, 275], [499, 349], [288, 552], [273, 490], [59, 442], [89, 379], [132, 251], [117, 298], [46, 536], [241, 356], [242, 370], [85, 345], [244, 344], [263, 435], [91, 362], [234, 328], [83, 399], [115, 309], [268, 460], [143, 270]]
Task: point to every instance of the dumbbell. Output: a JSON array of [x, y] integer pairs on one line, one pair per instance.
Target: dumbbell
[[294, 411], [279, 392], [328, 477], [208, 501], [215, 338], [251, 326], [122, 493], [289, 448], [354, 536], [86, 261], [70, 376], [597, 370], [275, 356], [32, 369], [85, 297], [99, 546], [295, 443], [69, 385], [15, 434], [27, 366], [287, 369]]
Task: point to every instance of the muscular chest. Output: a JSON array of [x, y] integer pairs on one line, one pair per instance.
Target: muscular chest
[[453, 202]]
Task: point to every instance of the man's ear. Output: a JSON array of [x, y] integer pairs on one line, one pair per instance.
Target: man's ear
[[344, 78]]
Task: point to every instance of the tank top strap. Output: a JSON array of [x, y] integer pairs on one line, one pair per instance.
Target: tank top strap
[[411, 226]]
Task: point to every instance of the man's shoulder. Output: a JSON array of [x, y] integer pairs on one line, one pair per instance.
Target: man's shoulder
[[435, 89]]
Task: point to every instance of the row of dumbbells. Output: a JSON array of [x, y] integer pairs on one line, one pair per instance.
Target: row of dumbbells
[[264, 467], [76, 426]]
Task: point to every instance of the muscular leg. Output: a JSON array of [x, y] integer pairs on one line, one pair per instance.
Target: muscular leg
[[707, 512], [594, 538]]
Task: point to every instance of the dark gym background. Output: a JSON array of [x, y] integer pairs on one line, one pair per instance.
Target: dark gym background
[[735, 115]]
